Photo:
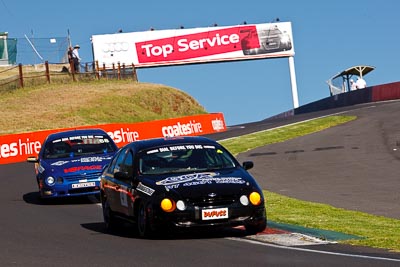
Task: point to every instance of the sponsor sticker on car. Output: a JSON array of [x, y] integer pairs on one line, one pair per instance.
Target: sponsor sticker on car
[[212, 214], [80, 185]]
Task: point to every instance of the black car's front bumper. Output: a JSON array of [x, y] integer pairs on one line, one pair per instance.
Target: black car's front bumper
[[191, 217]]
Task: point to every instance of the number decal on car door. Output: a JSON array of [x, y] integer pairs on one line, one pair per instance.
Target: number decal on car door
[[123, 198]]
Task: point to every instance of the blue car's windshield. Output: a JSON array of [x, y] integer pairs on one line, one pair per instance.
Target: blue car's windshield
[[76, 146], [184, 158]]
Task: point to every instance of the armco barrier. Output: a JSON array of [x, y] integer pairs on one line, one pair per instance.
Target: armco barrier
[[376, 93], [17, 147], [336, 101], [384, 92]]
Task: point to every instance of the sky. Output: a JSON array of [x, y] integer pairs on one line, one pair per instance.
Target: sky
[[328, 37]]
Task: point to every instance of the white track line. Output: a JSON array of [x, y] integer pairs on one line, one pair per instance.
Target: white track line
[[314, 251]]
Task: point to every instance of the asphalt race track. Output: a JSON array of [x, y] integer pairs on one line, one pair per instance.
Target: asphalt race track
[[354, 166]]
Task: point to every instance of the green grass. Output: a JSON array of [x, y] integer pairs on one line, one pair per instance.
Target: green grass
[[53, 106], [375, 231], [254, 140]]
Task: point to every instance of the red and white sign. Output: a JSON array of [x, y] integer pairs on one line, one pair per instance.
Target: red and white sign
[[212, 214], [197, 45], [17, 147]]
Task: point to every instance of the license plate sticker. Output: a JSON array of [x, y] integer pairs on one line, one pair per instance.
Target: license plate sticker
[[214, 214], [80, 185]]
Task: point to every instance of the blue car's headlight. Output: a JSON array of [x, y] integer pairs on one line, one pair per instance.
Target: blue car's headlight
[[50, 181]]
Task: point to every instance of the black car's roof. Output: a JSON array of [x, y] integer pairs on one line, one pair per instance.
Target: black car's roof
[[156, 142]]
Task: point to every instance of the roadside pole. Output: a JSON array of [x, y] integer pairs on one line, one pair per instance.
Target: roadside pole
[[293, 82]]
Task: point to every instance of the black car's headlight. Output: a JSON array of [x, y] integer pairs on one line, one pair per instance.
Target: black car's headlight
[[50, 180], [253, 198], [181, 205], [244, 200], [168, 205]]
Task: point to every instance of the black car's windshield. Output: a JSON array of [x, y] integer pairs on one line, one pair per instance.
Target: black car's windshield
[[184, 158], [76, 146]]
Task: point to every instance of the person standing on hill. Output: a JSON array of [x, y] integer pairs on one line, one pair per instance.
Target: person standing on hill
[[353, 85], [361, 83], [76, 58], [70, 57]]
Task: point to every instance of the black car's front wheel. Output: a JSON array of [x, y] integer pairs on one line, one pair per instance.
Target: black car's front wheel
[[110, 222], [143, 226], [254, 228]]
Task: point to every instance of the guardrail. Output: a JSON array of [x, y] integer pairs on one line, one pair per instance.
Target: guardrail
[[376, 93]]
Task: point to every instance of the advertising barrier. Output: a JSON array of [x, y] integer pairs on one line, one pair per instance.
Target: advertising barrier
[[17, 147], [196, 45]]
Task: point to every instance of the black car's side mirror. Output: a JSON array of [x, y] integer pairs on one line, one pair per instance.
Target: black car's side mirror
[[122, 176], [248, 165]]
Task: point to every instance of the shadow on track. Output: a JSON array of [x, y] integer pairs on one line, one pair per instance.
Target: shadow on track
[[129, 231], [34, 199]]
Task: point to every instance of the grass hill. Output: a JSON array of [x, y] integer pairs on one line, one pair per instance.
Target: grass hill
[[55, 106]]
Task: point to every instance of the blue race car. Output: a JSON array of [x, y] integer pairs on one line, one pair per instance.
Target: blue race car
[[70, 163]]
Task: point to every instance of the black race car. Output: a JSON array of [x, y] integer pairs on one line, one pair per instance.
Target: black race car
[[183, 182]]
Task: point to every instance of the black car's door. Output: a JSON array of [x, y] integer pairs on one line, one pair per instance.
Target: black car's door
[[124, 179], [111, 184]]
